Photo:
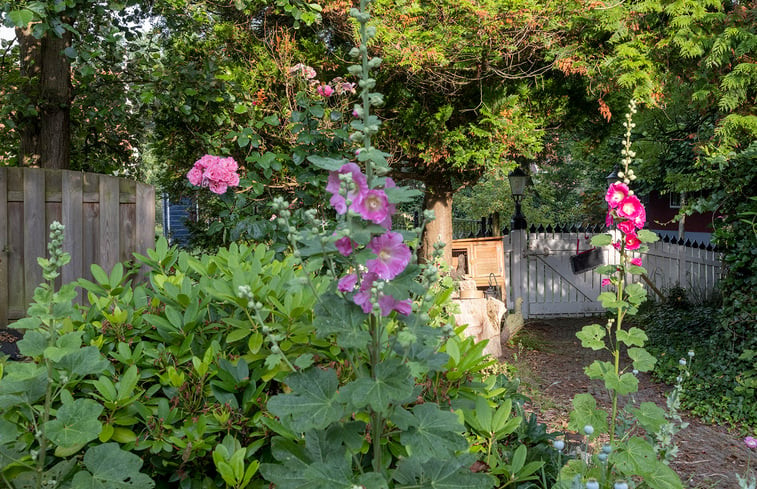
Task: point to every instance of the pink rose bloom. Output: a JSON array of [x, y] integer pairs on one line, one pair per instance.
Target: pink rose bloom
[[630, 208], [337, 201], [325, 90], [627, 227], [217, 187], [636, 261], [750, 442], [616, 193], [347, 283], [345, 246], [392, 255], [195, 176], [372, 206], [606, 282], [387, 304], [632, 242]]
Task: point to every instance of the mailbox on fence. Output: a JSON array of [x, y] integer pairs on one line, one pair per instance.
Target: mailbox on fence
[[107, 219], [481, 259]]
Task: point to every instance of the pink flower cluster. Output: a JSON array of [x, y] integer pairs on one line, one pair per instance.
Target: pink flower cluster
[[214, 172], [627, 211], [751, 442], [392, 255]]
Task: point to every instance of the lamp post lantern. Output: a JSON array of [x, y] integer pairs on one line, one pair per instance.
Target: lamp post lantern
[[518, 180], [613, 176]]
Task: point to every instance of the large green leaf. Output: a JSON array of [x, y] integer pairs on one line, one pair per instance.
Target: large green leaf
[[318, 465], [643, 361], [84, 361], [650, 416], [334, 316], [637, 457], [392, 385], [75, 422], [435, 433], [109, 467], [632, 337], [592, 336], [312, 404], [623, 384], [22, 381], [33, 343], [585, 412], [68, 343], [448, 473]]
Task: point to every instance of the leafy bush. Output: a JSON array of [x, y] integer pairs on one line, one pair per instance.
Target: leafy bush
[[718, 388]]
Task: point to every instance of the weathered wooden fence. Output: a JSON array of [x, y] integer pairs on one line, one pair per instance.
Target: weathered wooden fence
[[538, 269], [107, 219]]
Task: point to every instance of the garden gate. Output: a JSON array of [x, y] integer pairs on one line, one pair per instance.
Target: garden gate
[[107, 219], [538, 270]]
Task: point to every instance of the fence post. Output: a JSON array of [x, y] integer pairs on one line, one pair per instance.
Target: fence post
[[519, 283]]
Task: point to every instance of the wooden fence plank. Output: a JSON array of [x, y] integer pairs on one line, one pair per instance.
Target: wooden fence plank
[[71, 215], [108, 252], [4, 284], [35, 236]]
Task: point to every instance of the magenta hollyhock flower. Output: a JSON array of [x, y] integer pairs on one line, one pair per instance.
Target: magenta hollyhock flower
[[627, 227], [751, 442], [392, 255], [616, 193], [387, 304], [636, 261], [372, 206], [347, 283], [333, 186], [325, 90], [632, 242], [641, 218], [606, 282], [363, 297], [345, 246], [630, 208]]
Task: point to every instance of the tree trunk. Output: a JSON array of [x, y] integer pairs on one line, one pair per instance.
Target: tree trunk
[[46, 137], [438, 198]]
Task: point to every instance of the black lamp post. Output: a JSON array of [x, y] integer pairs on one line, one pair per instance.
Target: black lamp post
[[613, 176], [518, 180]]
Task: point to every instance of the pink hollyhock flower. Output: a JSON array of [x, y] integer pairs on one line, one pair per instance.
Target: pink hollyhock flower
[[641, 218], [606, 282], [345, 245], [392, 255], [630, 208], [347, 283], [750, 442], [325, 90], [616, 193], [333, 186], [636, 261], [372, 206], [627, 227], [363, 297], [387, 304], [632, 242]]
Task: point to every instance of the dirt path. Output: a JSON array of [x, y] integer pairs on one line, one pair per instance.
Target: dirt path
[[550, 361]]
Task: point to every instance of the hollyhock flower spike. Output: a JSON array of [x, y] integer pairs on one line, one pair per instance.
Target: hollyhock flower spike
[[334, 186], [392, 255], [616, 193]]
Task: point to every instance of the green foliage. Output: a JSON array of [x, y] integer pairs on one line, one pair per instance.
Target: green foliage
[[717, 390]]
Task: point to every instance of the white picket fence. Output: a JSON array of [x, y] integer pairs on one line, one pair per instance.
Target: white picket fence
[[538, 270]]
